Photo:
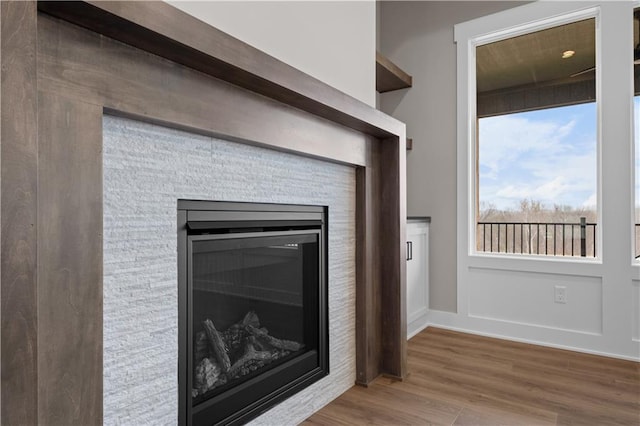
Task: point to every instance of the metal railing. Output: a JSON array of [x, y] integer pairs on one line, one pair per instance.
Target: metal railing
[[547, 238]]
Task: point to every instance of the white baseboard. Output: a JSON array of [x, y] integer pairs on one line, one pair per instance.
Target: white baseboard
[[417, 325], [505, 331]]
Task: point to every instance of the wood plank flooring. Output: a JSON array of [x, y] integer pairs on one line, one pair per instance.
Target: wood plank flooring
[[462, 379]]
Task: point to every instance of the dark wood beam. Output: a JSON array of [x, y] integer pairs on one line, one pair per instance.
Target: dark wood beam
[[368, 303], [392, 240], [175, 96], [19, 191], [533, 97], [161, 29]]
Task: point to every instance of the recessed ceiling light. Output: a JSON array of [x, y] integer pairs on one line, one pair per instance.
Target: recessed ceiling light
[[567, 54]]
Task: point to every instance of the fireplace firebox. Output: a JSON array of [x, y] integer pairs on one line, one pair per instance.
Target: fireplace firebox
[[252, 307]]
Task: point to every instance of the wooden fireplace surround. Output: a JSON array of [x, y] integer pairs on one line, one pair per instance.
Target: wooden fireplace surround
[[64, 65]]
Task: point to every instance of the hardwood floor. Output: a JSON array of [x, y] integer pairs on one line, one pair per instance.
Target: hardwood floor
[[463, 379]]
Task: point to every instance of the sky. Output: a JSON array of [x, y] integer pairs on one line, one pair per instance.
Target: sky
[[547, 155]]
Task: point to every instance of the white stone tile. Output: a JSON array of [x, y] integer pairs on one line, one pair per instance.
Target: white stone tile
[[147, 168]]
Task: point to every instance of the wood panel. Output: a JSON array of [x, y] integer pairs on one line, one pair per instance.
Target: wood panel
[[78, 63], [368, 321], [393, 267], [70, 262], [463, 379], [18, 190], [165, 31]]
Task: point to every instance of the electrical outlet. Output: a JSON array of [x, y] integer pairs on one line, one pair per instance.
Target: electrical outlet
[[560, 294]]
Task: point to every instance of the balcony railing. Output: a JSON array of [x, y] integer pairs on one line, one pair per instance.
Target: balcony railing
[[542, 238]]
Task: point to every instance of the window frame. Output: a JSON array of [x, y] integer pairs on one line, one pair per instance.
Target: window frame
[[635, 262], [472, 41]]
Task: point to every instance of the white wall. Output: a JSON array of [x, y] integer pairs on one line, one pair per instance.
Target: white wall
[[331, 41]]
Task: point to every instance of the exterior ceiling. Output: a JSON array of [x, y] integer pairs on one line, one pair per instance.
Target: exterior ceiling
[[536, 58]]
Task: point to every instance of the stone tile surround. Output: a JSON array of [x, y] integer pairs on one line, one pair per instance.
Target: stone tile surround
[[147, 168]]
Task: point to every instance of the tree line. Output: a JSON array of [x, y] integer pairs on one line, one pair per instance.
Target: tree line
[[534, 211]]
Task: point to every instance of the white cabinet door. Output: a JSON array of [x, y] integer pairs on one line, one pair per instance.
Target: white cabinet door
[[417, 276]]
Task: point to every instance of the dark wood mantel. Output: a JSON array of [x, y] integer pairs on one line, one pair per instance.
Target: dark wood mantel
[[64, 64]]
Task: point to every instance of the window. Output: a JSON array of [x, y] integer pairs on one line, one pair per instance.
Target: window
[[536, 177]]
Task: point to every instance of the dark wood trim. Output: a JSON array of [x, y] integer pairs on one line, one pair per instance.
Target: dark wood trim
[[70, 262], [368, 322], [19, 189], [161, 29], [206, 105], [237, 93], [393, 213]]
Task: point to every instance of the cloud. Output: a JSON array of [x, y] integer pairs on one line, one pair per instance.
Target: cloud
[[547, 155], [547, 191], [506, 138]]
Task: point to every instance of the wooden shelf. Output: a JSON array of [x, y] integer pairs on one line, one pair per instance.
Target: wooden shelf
[[389, 76]]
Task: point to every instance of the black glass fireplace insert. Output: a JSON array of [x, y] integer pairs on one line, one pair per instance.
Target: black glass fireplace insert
[[252, 282]]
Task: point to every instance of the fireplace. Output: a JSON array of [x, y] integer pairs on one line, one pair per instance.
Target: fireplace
[[252, 307]]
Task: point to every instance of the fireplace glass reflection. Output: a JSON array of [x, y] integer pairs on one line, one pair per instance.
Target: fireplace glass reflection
[[254, 306]]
